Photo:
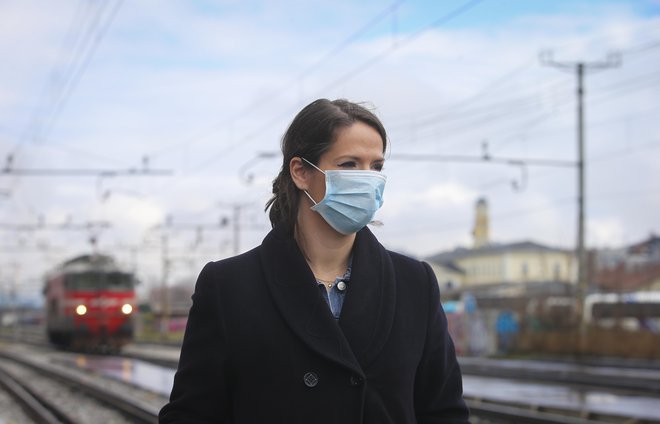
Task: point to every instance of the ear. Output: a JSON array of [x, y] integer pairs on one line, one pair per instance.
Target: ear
[[299, 173]]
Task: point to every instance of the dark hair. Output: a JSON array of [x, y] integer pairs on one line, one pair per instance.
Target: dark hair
[[311, 134]]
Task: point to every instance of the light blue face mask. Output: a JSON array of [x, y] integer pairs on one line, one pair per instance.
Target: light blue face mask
[[351, 200]]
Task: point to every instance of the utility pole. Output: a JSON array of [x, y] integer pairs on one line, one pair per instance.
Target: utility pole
[[13, 299], [164, 293], [237, 228], [613, 60], [236, 223]]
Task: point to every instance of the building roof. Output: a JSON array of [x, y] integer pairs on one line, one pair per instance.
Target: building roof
[[633, 267], [648, 247], [531, 289], [490, 249], [450, 266]]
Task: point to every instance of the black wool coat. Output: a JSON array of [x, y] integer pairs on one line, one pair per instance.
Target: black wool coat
[[261, 345]]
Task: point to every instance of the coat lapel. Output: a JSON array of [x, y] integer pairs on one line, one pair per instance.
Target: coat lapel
[[291, 284], [368, 312]]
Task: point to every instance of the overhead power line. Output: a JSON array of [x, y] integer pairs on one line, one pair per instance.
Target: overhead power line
[[389, 10], [66, 226], [53, 84], [418, 226], [593, 160], [512, 106], [79, 71], [53, 172], [463, 8], [486, 158], [642, 48], [605, 93], [42, 121], [513, 73]]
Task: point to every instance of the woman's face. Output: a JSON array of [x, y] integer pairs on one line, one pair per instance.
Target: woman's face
[[358, 147]]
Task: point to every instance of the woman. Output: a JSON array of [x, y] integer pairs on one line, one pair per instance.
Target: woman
[[319, 324]]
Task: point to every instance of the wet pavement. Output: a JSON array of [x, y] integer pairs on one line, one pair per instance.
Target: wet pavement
[[153, 352], [563, 397], [159, 379], [528, 366], [135, 372]]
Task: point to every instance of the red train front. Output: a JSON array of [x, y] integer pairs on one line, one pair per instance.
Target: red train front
[[90, 303]]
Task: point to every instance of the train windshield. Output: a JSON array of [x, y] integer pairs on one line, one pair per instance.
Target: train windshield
[[112, 281]]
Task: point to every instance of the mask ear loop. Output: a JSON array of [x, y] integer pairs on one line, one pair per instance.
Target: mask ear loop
[[310, 197], [318, 169]]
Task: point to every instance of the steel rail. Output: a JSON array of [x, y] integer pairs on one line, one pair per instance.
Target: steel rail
[[34, 405], [137, 411], [504, 411], [519, 415], [584, 375]]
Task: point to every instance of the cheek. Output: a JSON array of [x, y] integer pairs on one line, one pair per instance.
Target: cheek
[[317, 188]]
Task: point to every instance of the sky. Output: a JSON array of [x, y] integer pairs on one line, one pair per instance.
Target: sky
[[192, 97]]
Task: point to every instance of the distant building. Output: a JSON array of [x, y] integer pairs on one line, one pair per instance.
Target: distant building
[[510, 263], [631, 268], [505, 267], [449, 275]]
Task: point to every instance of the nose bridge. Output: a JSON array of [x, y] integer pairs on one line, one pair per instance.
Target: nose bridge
[[364, 165]]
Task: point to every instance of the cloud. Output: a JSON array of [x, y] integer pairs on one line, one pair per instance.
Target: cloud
[[606, 233], [201, 89]]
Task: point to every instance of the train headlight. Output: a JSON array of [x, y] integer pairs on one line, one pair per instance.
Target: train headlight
[[126, 309], [81, 309]]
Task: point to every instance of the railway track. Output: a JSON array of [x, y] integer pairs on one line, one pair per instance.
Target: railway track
[[505, 412], [608, 377], [486, 409], [52, 394], [596, 374], [34, 405], [489, 412]]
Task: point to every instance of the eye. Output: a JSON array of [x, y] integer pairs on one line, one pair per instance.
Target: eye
[[378, 167], [348, 164]]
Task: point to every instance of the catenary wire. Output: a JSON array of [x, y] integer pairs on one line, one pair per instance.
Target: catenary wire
[[306, 72], [71, 38], [79, 71], [287, 112]]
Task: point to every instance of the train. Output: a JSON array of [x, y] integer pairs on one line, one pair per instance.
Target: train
[[631, 310], [90, 304]]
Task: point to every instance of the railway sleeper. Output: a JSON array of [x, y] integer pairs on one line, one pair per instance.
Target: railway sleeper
[[139, 412], [34, 405]]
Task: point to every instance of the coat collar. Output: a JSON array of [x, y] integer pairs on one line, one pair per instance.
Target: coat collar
[[368, 311]]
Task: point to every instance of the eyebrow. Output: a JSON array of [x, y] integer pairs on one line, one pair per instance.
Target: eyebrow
[[356, 158]]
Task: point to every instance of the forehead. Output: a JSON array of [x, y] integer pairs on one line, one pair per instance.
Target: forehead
[[359, 139]]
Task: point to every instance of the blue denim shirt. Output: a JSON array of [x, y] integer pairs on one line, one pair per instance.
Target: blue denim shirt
[[335, 296]]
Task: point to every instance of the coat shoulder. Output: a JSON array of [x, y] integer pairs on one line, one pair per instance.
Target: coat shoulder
[[415, 273], [227, 271], [408, 265], [249, 258]]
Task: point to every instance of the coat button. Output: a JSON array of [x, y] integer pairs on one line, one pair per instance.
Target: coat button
[[311, 379], [356, 380], [341, 286]]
